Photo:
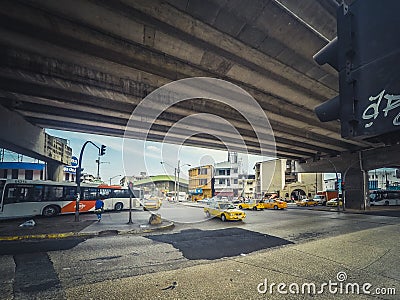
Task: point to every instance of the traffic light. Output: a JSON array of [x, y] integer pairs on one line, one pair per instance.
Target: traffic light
[[366, 53], [130, 188], [78, 175], [102, 150]]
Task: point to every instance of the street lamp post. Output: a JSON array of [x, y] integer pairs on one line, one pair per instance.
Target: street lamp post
[[163, 162], [111, 178], [179, 170]]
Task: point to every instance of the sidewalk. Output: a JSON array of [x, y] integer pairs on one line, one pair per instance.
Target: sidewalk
[[112, 223], [357, 265]]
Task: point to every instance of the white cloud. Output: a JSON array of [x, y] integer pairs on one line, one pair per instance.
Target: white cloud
[[153, 149]]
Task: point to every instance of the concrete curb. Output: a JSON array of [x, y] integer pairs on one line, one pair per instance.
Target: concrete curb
[[170, 225]]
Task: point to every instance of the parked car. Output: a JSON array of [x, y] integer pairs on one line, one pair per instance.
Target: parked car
[[252, 204], [307, 202], [225, 211], [274, 204], [334, 202]]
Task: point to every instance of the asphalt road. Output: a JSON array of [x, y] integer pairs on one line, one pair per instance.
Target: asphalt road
[[42, 269]]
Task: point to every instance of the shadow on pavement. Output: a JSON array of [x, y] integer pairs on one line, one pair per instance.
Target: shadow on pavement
[[59, 224], [214, 244]]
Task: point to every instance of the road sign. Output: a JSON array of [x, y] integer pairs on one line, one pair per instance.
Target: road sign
[[74, 161]]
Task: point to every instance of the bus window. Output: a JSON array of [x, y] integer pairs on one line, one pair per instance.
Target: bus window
[[122, 194], [10, 195], [105, 193], [90, 193], [53, 193], [37, 193], [69, 193], [16, 194]]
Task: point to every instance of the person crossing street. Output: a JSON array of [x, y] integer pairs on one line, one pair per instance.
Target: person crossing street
[[99, 208]]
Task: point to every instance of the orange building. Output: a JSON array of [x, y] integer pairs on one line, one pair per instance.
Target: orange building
[[200, 182]]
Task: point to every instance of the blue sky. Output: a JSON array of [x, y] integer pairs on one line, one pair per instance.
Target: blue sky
[[131, 157]]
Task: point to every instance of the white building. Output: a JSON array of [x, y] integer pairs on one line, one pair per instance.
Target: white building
[[226, 177], [280, 177], [247, 186], [384, 178], [22, 170]]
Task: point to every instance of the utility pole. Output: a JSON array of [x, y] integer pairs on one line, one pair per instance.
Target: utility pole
[[178, 170], [98, 167], [175, 183]]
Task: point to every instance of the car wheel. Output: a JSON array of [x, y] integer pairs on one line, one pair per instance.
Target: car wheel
[[118, 206], [208, 214], [386, 202], [50, 211], [254, 208], [306, 204], [240, 207], [275, 207], [223, 218]]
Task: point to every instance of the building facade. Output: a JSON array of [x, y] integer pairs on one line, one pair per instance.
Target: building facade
[[201, 182], [22, 170], [280, 177], [384, 179], [247, 186], [160, 185], [226, 179]]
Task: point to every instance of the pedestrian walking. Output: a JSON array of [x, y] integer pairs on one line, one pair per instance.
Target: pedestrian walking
[[99, 208]]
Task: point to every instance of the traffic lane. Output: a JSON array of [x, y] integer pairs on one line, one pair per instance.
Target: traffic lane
[[296, 224], [38, 246]]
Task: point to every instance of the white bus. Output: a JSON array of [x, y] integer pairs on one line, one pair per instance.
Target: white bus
[[384, 197], [25, 198]]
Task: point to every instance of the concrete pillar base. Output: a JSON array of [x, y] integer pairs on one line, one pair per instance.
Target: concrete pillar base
[[356, 191], [55, 171]]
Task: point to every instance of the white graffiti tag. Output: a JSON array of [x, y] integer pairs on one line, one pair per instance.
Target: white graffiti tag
[[372, 111]]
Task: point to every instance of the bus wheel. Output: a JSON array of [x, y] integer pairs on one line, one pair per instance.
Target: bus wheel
[[50, 211], [118, 206]]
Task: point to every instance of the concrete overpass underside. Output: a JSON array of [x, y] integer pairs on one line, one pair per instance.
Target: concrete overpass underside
[[85, 65]]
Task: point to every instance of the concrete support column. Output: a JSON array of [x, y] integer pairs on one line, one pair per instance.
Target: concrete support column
[[55, 171], [356, 188]]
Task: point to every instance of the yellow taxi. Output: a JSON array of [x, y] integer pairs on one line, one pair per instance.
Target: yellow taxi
[[334, 202], [252, 204], [225, 211], [151, 204], [274, 204], [307, 202]]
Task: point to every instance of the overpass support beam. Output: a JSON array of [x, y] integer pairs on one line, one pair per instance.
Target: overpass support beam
[[22, 137], [55, 171], [354, 168], [356, 188]]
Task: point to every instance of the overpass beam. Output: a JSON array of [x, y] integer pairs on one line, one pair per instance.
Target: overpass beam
[[55, 171], [20, 136], [355, 194], [354, 175]]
